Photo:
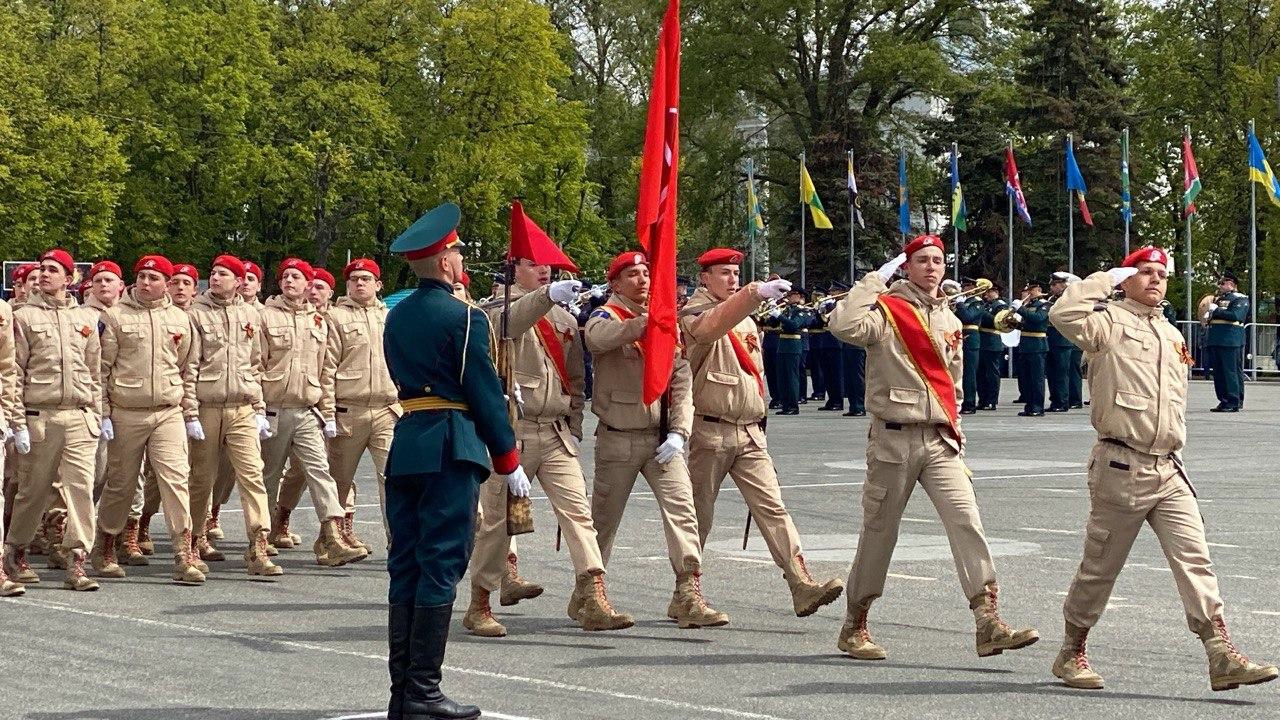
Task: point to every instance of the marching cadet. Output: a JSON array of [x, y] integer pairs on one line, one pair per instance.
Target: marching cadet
[[547, 366], [232, 417], [1138, 369], [148, 376], [184, 285], [365, 403], [297, 387], [791, 320], [252, 285], [729, 411], [1058, 358], [1224, 342], [970, 312], [455, 412], [10, 401], [914, 358], [53, 344], [320, 291], [633, 438], [1033, 345], [25, 277], [992, 352]]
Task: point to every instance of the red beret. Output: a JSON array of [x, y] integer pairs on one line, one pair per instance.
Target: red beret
[[254, 268], [20, 275], [364, 264], [923, 241], [104, 266], [62, 257], [325, 275], [624, 261], [465, 279], [301, 266], [1149, 253], [230, 262], [156, 263], [719, 256], [188, 270]]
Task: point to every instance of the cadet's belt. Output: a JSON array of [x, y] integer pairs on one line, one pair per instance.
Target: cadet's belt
[[714, 419], [431, 402], [1123, 444], [1226, 322], [1034, 334], [993, 331], [790, 336], [970, 327]]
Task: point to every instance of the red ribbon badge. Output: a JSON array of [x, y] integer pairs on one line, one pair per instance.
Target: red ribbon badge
[[319, 320], [177, 338], [248, 330], [85, 331]]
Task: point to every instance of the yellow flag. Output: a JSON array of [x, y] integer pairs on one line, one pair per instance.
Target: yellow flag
[[809, 196]]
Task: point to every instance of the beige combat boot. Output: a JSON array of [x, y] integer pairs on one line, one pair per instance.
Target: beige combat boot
[[128, 552], [330, 550], [855, 639], [993, 635], [688, 605], [103, 557], [76, 579], [194, 555], [349, 534], [212, 529], [1072, 663], [479, 619], [145, 543], [256, 559], [514, 587], [17, 567], [208, 552], [40, 542], [1228, 667], [806, 594], [9, 588], [595, 612], [186, 570], [55, 525], [280, 536]]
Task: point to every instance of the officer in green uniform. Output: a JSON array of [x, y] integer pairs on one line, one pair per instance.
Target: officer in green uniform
[[1058, 359], [1224, 342], [826, 347], [1033, 347], [791, 321], [992, 351], [970, 311], [437, 350], [769, 349]]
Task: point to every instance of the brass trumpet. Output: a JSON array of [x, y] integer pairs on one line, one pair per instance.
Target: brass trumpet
[[980, 287], [1007, 320]]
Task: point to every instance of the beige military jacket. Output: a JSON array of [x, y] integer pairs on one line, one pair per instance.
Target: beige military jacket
[[355, 350], [617, 396], [722, 388], [56, 357], [230, 354], [10, 387], [545, 397], [149, 356], [1138, 366], [296, 371], [895, 390]]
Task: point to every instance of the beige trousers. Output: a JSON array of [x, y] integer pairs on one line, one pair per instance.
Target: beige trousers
[[297, 432], [63, 445], [899, 457], [548, 453], [161, 436], [620, 456], [741, 452], [1126, 489], [230, 432]]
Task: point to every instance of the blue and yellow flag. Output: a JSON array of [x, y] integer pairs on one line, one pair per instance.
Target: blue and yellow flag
[[755, 221], [1260, 170], [904, 209]]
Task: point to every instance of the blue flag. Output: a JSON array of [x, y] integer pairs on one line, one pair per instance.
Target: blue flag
[[1075, 183], [904, 210], [1260, 170]]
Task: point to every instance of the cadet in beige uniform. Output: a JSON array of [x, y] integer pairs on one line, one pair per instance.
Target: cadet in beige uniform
[[233, 417], [148, 375], [915, 439], [722, 344], [9, 403], [53, 346], [548, 369], [297, 385], [629, 441], [1138, 367]]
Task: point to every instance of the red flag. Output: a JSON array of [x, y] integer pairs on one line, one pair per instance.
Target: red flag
[[656, 206], [528, 241]]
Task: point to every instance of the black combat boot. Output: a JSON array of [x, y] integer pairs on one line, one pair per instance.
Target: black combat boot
[[422, 697], [399, 629]]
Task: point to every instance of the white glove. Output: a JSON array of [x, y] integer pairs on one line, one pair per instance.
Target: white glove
[[668, 450], [1069, 277], [597, 291], [1017, 304], [5, 435], [887, 270], [108, 430], [1120, 274], [562, 291], [775, 313], [518, 483], [827, 305], [950, 286], [264, 427], [774, 289], [330, 429], [1208, 315], [515, 390], [22, 441], [195, 430]]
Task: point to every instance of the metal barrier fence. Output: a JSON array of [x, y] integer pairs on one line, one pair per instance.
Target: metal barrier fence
[[1265, 362]]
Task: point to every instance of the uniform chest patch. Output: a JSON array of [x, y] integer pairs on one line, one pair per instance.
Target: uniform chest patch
[[319, 320], [1184, 353], [753, 342], [177, 338], [954, 339], [86, 331], [248, 330]]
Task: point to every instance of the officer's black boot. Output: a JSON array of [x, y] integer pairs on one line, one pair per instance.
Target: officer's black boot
[[399, 629], [422, 697]]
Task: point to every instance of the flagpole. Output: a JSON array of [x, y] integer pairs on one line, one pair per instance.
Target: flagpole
[[802, 208], [902, 150], [853, 265], [1253, 272], [1071, 224], [955, 231], [1009, 276], [1186, 268], [1126, 213]]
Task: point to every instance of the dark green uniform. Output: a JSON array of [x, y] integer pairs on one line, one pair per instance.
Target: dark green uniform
[[990, 355], [1224, 342], [769, 349], [1057, 368], [970, 312], [1033, 347], [791, 325]]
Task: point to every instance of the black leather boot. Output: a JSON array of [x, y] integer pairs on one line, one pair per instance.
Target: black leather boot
[[422, 697], [399, 630]]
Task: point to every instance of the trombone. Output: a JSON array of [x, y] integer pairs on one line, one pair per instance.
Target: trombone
[[980, 287]]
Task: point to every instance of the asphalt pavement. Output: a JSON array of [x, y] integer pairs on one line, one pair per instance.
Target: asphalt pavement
[[312, 644]]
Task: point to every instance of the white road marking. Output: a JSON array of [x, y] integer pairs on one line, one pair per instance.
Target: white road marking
[[1242, 577], [753, 561], [1224, 545], [1068, 491], [197, 631], [910, 577], [1051, 530], [921, 520], [1269, 613]]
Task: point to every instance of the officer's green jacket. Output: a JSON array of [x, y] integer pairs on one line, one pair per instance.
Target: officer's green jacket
[[1226, 321], [1035, 326], [970, 313], [794, 321], [990, 336]]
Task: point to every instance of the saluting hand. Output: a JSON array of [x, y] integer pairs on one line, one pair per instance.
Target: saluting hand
[[888, 269], [1120, 274]]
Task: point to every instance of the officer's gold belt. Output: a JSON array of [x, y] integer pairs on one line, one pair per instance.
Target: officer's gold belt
[[790, 336], [1226, 322], [431, 402], [993, 331], [970, 327], [1034, 334]]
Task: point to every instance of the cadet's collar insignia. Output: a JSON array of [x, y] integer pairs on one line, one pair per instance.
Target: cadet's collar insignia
[[177, 338], [248, 330], [1185, 354], [85, 331], [753, 343], [955, 338]]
